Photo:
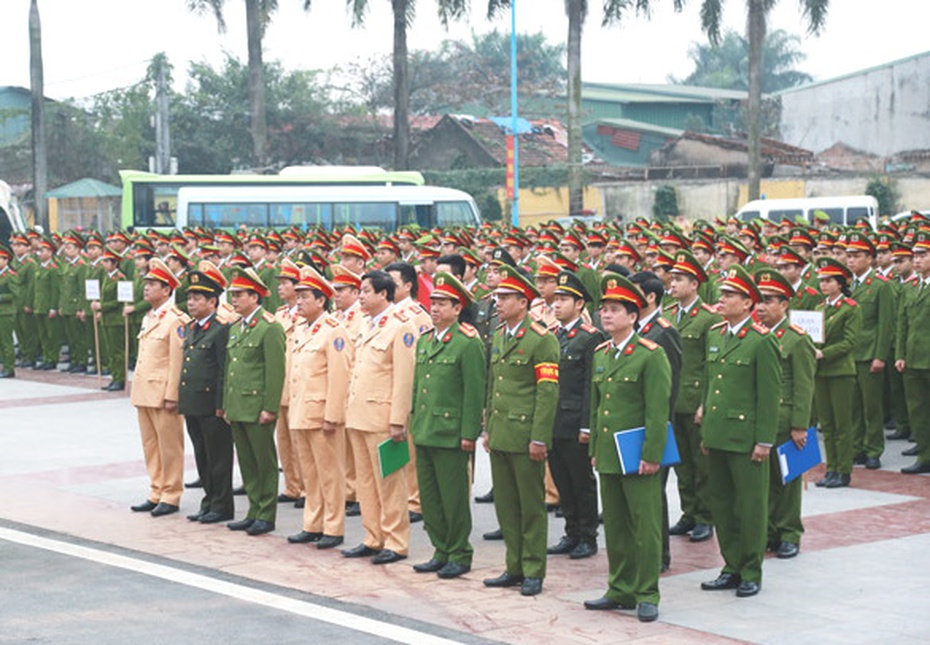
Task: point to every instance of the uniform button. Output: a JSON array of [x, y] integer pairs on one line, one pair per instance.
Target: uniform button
[[742, 417], [697, 384], [427, 376], [183, 382], [610, 379], [446, 415], [500, 378], [495, 410], [606, 413], [430, 361], [424, 390], [716, 391], [723, 360], [713, 407], [423, 407], [235, 359], [604, 430], [188, 359], [497, 394], [232, 373], [522, 417], [606, 396], [720, 376]]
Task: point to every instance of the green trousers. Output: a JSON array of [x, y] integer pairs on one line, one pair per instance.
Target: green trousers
[[49, 338], [738, 491], [692, 471], [74, 333], [258, 465], [520, 503], [7, 351], [27, 336], [868, 411], [113, 351], [632, 507], [784, 500], [442, 474], [833, 396], [897, 399], [916, 387]]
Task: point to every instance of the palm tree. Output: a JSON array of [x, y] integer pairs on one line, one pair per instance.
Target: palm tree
[[39, 143]]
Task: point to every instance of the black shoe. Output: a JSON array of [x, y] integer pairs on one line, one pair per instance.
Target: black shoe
[[910, 452], [241, 525], [353, 509], [898, 435], [300, 503], [665, 567], [859, 459], [386, 556], [38, 365], [304, 537], [115, 386], [583, 550], [214, 518], [559, 513], [195, 517], [916, 469], [873, 463], [48, 367], [7, 374], [145, 507], [839, 481], [602, 604], [550, 508], [827, 478], [430, 566], [566, 545], [701, 533], [723, 581], [531, 587], [77, 369], [164, 509], [329, 541], [504, 580], [487, 498], [494, 535], [239, 491], [260, 527], [284, 499], [415, 517], [453, 570], [681, 527], [360, 551], [787, 550], [647, 612], [772, 545], [26, 364], [746, 589], [194, 484]]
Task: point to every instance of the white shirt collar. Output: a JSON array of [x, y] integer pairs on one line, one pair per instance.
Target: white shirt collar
[[621, 346], [735, 329]]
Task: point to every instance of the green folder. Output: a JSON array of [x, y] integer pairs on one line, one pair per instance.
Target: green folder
[[392, 456]]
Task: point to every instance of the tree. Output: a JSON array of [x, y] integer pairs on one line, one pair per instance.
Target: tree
[[39, 143]]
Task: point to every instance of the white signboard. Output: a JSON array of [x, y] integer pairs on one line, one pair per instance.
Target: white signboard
[[124, 291], [809, 321], [92, 289]]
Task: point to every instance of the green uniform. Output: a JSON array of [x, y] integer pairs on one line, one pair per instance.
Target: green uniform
[[180, 294], [140, 308], [876, 299], [449, 386], [806, 298], [630, 388], [47, 296], [591, 280], [740, 411], [269, 275], [913, 346], [112, 327], [71, 301], [835, 382], [9, 285], [523, 391], [486, 320], [95, 271], [896, 396], [26, 330], [254, 381], [798, 364]]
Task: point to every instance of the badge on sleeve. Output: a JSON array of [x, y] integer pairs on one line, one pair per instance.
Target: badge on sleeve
[[339, 344], [181, 331], [408, 339]]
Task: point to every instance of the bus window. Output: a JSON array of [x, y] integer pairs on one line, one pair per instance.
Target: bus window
[[376, 215], [854, 213], [231, 215], [454, 214], [301, 215], [417, 214], [154, 205]]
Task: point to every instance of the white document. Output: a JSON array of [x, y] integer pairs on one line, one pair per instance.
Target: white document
[[810, 321]]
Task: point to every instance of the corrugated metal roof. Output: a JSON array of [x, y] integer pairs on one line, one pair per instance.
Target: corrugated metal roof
[[640, 126], [645, 93], [86, 187]]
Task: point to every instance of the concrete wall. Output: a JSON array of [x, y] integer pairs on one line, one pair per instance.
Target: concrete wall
[[884, 110]]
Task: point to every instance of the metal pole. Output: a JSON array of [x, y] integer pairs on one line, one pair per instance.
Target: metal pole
[[515, 210]]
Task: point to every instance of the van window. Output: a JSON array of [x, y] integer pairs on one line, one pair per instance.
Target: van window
[[779, 215], [454, 214], [836, 214], [748, 216], [854, 213]]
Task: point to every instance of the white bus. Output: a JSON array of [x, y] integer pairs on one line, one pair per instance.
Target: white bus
[[10, 219], [329, 206], [841, 210]]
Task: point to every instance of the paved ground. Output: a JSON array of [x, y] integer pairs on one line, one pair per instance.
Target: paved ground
[[79, 567]]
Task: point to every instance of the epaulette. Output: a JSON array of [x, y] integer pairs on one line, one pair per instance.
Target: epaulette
[[811, 291], [719, 324], [881, 277], [268, 316], [468, 330], [591, 329], [332, 322], [850, 302], [177, 312], [281, 308], [603, 345], [797, 329], [500, 325], [400, 316], [554, 327], [671, 307], [708, 308], [663, 322], [762, 329], [539, 329], [648, 344]]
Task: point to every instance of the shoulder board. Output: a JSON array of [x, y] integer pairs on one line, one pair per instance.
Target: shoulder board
[[554, 326], [708, 308], [332, 322], [401, 316], [80, 262], [850, 302], [591, 329], [603, 345], [797, 329], [500, 325], [762, 329], [881, 277], [12, 272], [663, 322], [719, 324], [648, 344], [811, 291], [468, 330], [281, 308], [177, 312], [268, 316], [671, 307], [539, 329]]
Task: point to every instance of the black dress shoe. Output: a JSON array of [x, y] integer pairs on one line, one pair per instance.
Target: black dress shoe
[[665, 567], [386, 556], [115, 386], [723, 581], [859, 459], [7, 374], [145, 507], [827, 478], [239, 491], [873, 463], [787, 550], [602, 604], [566, 545], [487, 498], [550, 508], [48, 367], [839, 481], [194, 484], [453, 570], [353, 509], [213, 517], [283, 499], [430, 566], [647, 612], [329, 541], [360, 551], [27, 364], [494, 535], [260, 527], [300, 503], [304, 537], [531, 587], [910, 452], [164, 509], [241, 525], [77, 369], [701, 533], [504, 580], [38, 365], [415, 517], [772, 546], [898, 435], [681, 527], [195, 517], [583, 550], [746, 589], [916, 469]]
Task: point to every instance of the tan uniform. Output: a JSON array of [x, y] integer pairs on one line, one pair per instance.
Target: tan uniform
[[156, 379], [380, 392], [351, 319], [320, 358], [287, 451]]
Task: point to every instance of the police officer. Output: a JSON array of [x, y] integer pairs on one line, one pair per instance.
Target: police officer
[[25, 267], [70, 307], [8, 293], [108, 311], [45, 308]]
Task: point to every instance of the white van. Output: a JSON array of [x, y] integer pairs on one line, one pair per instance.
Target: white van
[[844, 210], [10, 219]]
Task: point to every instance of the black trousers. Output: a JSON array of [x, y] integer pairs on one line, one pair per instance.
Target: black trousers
[[213, 452], [571, 471]]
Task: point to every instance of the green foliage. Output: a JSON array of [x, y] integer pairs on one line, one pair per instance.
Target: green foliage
[[665, 203], [885, 190]]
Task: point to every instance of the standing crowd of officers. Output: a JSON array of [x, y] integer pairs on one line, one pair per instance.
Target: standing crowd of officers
[[311, 349]]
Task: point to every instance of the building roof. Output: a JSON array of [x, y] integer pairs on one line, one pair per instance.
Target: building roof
[[861, 72], [646, 93], [86, 187], [546, 144], [640, 126]]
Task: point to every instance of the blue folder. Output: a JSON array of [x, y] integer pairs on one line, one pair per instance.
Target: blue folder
[[796, 461], [630, 449]]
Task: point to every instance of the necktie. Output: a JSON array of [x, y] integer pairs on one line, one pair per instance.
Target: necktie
[[562, 333], [855, 284], [678, 319]]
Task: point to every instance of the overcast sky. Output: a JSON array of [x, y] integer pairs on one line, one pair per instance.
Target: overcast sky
[[91, 46]]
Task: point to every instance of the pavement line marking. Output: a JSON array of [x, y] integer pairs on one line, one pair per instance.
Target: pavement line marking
[[232, 590]]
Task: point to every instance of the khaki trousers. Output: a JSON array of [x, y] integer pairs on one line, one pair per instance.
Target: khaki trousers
[[321, 460], [383, 500], [163, 446], [287, 456]]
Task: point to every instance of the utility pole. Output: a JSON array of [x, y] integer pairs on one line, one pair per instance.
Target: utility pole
[[162, 131], [39, 140]]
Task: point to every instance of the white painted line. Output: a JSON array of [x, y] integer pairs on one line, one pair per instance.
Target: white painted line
[[230, 589]]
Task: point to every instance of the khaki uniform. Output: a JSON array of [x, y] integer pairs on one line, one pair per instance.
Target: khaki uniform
[[287, 449], [352, 319]]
